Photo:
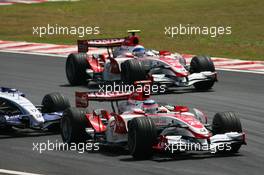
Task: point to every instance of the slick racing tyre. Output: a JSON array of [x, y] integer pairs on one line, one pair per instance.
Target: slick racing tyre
[[200, 64], [54, 102], [227, 122], [73, 125], [76, 66], [132, 70], [142, 134]]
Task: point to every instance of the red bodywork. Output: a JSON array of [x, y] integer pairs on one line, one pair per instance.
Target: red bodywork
[[97, 64], [95, 120]]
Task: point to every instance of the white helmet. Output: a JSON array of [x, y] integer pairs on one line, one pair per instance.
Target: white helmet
[[150, 106], [138, 51]]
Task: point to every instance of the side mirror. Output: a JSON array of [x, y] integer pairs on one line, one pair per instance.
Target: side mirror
[[181, 109], [164, 52]]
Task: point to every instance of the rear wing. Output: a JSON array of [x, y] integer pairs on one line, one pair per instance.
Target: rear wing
[[82, 98], [83, 45], [132, 40]]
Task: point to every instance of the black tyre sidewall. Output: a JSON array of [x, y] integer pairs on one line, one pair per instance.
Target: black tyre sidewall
[[54, 102], [132, 70], [77, 122], [76, 66], [227, 122], [141, 137], [200, 64]]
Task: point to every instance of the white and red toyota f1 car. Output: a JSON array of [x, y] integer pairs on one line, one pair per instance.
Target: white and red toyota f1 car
[[17, 111], [127, 61], [144, 126]]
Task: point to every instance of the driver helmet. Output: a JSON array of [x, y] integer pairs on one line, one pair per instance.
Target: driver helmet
[[150, 106], [138, 51]]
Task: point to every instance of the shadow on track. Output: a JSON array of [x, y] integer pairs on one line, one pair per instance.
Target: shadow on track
[[20, 133], [183, 156], [161, 157]]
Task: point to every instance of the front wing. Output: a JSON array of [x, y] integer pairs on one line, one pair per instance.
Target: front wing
[[185, 81], [174, 144]]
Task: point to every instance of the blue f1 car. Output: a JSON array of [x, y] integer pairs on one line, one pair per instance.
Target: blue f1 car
[[17, 111]]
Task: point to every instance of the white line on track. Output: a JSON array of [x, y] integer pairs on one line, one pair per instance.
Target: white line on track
[[11, 172]]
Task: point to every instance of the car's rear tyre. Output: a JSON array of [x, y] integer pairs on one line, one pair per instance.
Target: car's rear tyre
[[142, 134], [199, 64], [132, 70], [224, 122], [73, 124], [54, 102], [76, 66]]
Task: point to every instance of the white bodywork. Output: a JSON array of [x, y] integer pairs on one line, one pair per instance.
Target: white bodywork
[[113, 137], [159, 77], [25, 106], [217, 142]]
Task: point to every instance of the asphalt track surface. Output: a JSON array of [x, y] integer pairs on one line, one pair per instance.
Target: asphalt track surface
[[38, 75]]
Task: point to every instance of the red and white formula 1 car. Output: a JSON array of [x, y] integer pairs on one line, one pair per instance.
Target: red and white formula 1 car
[[144, 126], [127, 61]]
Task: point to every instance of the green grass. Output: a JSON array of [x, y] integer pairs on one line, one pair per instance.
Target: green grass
[[114, 17]]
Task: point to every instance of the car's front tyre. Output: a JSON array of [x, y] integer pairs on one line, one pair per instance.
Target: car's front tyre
[[199, 64], [142, 134], [225, 122]]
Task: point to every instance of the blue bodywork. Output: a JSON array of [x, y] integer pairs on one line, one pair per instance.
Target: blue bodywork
[[16, 110]]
